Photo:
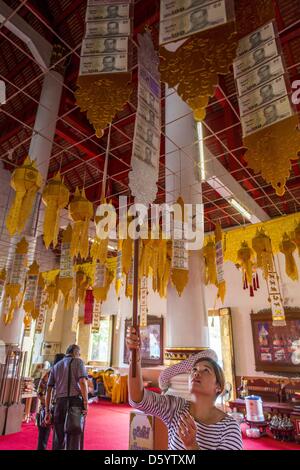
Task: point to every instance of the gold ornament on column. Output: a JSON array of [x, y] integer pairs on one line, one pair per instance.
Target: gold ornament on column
[[287, 247], [195, 66], [26, 181], [2, 281], [55, 197], [296, 238], [80, 211], [14, 288], [209, 254], [102, 98]]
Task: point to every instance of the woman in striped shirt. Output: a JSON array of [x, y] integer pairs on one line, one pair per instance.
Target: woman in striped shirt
[[196, 425]]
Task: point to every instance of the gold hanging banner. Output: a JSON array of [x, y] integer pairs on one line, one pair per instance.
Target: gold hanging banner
[[26, 181], [55, 197]]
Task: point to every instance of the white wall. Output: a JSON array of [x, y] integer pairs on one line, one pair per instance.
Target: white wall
[[241, 305]]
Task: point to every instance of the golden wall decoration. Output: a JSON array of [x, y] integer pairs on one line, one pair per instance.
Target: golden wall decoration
[[271, 150], [102, 98], [194, 67]]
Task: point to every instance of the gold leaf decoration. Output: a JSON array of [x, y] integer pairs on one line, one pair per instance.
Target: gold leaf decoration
[[194, 67], [80, 211], [102, 98], [26, 181], [271, 150], [288, 247]]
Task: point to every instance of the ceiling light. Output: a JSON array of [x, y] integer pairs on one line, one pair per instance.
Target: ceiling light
[[240, 209], [201, 151], [218, 186]]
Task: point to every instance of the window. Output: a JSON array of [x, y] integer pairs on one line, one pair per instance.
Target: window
[[102, 342]]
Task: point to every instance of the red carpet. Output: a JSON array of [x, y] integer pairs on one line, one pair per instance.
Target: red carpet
[[107, 428]]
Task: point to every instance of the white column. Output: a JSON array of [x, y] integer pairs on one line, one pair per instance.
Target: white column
[[40, 151], [187, 328]]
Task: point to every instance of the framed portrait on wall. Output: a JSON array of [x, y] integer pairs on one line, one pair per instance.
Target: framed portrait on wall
[[151, 342], [276, 348]]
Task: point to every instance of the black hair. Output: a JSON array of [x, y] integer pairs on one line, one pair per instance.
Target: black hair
[[220, 378], [72, 348], [58, 357]]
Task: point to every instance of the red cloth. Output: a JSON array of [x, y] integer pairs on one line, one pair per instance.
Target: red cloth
[[88, 307]]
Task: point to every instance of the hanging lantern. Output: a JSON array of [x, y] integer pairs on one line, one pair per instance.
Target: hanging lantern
[[167, 272], [2, 281], [127, 252], [52, 292], [81, 212], [55, 197], [26, 181], [244, 256], [30, 292], [287, 247], [66, 275], [262, 246], [40, 305], [14, 288], [99, 250], [154, 264], [82, 284]]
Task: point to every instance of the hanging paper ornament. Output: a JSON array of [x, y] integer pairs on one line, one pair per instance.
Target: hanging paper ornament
[[52, 292], [287, 247], [100, 289], [96, 316], [2, 281], [99, 250], [180, 260], [30, 291], [209, 254], [143, 301], [88, 307], [244, 256], [146, 255], [81, 212], [129, 282], [127, 251], [262, 246], [55, 197], [40, 296], [166, 276], [26, 181], [119, 273], [66, 275], [221, 284], [14, 288], [82, 284], [154, 264]]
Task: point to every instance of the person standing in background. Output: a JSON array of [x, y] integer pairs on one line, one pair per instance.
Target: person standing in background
[[69, 378], [44, 430]]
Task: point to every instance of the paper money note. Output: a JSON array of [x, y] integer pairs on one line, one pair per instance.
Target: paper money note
[[263, 95], [107, 12], [263, 74], [148, 114], [193, 22], [170, 8], [107, 28], [145, 153], [256, 39], [148, 134], [91, 65], [267, 116], [98, 46], [256, 58]]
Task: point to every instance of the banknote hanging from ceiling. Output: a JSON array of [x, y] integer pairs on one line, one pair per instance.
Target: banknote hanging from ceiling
[[193, 64], [104, 82], [146, 143], [268, 118]]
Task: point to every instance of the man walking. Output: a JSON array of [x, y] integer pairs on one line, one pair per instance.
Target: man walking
[[69, 377]]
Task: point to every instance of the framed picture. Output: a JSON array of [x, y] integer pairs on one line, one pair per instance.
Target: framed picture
[[151, 342], [276, 348]]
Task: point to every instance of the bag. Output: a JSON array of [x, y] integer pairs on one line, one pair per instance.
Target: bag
[[74, 422]]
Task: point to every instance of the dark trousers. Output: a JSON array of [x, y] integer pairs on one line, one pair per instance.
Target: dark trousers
[[62, 441], [44, 433]]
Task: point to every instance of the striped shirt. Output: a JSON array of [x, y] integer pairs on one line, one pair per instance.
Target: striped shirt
[[225, 435]]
